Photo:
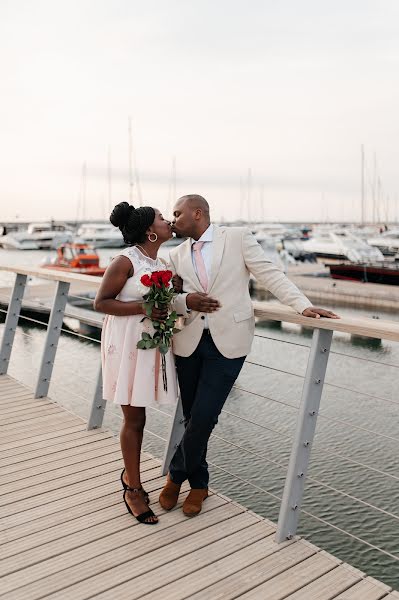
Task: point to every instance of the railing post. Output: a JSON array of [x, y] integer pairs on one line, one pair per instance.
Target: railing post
[[51, 343], [14, 309], [306, 424], [98, 405], [175, 435]]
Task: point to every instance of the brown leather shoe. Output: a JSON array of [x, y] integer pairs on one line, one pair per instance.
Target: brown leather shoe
[[193, 503], [170, 494]]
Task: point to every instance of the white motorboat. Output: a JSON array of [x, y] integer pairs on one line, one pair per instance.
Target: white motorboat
[[387, 242], [100, 235], [341, 244], [270, 246], [18, 240], [38, 236]]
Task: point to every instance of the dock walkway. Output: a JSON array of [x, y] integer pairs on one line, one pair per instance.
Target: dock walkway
[[65, 533]]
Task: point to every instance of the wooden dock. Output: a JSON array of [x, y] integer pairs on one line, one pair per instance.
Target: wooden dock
[[65, 532], [333, 292]]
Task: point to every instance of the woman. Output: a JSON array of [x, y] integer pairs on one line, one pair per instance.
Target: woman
[[130, 376]]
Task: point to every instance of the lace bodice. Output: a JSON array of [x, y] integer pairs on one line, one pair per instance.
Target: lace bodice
[[141, 264]]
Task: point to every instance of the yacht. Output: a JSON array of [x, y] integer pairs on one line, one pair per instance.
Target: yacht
[[100, 235], [341, 244], [38, 236], [270, 246], [387, 242]]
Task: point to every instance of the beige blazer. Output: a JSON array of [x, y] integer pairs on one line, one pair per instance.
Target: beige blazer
[[235, 254]]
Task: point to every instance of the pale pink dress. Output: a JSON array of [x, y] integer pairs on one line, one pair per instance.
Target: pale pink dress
[[129, 375]]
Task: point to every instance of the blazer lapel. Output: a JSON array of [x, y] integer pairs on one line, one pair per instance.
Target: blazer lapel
[[219, 238]]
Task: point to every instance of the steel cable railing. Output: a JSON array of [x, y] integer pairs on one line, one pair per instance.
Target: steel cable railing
[[313, 479], [260, 489], [336, 352], [320, 414], [335, 385]]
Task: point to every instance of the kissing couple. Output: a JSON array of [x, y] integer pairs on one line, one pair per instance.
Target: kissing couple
[[211, 274]]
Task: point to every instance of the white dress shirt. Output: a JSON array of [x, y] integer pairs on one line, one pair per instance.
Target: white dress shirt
[[206, 253]]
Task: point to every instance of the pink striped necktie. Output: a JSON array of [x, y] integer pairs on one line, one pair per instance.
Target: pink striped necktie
[[199, 262]]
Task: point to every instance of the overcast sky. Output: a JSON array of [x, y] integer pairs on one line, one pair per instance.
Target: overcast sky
[[287, 88]]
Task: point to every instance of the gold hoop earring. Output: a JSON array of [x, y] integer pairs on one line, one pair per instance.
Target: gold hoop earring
[[156, 237]]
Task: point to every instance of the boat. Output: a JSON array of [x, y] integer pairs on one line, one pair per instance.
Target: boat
[[18, 240], [387, 242], [38, 236], [379, 272], [100, 235], [76, 258], [341, 244], [269, 246]]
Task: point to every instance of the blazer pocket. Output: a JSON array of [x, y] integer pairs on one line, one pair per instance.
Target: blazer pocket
[[243, 315]]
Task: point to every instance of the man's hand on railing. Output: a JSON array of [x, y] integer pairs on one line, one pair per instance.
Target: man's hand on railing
[[316, 313]]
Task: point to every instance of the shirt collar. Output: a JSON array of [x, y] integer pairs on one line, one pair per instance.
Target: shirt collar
[[207, 236]]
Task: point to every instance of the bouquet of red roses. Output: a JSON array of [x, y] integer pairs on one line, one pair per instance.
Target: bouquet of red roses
[[157, 290]]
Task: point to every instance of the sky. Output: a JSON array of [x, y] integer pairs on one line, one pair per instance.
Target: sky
[[287, 89]]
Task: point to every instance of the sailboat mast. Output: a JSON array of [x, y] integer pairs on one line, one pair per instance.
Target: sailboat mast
[[130, 158], [363, 205], [249, 185], [375, 189], [109, 175]]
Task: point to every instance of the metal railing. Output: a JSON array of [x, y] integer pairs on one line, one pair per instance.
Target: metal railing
[[307, 412]]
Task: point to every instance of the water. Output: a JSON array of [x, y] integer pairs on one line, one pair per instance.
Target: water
[[373, 406]]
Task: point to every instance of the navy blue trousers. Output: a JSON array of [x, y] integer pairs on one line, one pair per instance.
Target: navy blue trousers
[[205, 379]]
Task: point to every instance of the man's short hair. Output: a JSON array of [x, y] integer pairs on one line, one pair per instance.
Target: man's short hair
[[196, 201]]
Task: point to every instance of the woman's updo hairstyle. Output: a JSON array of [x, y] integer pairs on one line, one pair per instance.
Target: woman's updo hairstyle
[[133, 222]]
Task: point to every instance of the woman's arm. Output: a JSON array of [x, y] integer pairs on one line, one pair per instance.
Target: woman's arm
[[115, 277]]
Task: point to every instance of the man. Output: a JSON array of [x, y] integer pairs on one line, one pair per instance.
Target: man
[[215, 264]]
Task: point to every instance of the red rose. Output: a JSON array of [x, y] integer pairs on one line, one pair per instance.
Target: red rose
[[156, 279], [146, 280], [166, 277]]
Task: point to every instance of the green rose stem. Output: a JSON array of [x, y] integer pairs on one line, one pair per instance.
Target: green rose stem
[[159, 297]]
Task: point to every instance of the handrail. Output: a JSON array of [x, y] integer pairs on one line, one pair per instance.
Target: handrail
[[363, 326]]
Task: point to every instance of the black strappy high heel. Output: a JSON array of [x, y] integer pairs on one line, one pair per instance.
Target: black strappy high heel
[[124, 485], [145, 515]]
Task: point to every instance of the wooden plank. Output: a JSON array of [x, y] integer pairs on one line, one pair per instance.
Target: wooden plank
[[29, 417], [42, 424], [45, 493], [202, 549], [272, 577], [45, 482], [21, 408], [276, 558], [12, 390], [50, 529], [31, 433], [329, 585], [54, 275], [77, 493], [380, 329], [293, 578], [43, 472], [40, 529], [15, 398], [172, 537], [96, 526], [13, 384], [367, 589], [393, 596], [53, 453], [45, 440]]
